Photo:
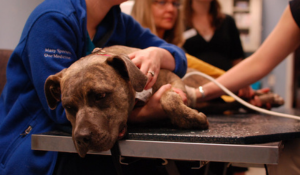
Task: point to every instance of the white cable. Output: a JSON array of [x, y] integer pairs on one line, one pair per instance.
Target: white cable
[[239, 99]]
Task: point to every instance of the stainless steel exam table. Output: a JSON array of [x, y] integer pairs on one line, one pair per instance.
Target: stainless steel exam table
[[238, 138]]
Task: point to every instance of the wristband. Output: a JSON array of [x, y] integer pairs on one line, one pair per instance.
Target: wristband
[[201, 91]]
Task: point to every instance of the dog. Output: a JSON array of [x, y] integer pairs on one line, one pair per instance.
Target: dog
[[98, 94]]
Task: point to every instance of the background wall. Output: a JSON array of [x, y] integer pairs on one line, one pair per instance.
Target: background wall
[[279, 80], [13, 15]]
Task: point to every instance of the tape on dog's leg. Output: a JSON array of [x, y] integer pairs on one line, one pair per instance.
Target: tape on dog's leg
[[192, 96]]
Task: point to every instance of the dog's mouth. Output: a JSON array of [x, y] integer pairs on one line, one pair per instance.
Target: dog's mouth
[[122, 131], [82, 151]]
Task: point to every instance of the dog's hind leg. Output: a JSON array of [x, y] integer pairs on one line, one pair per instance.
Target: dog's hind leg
[[181, 115]]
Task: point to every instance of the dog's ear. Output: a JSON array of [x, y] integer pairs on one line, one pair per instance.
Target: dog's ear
[[123, 64], [97, 49], [52, 89]]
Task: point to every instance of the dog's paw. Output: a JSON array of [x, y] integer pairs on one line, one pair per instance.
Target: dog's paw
[[192, 120], [202, 121]]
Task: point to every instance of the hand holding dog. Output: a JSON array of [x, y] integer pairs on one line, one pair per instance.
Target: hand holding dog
[[153, 109], [249, 93], [151, 60]]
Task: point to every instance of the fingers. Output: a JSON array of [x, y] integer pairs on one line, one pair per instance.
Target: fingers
[[240, 93], [256, 101], [264, 90], [268, 106], [162, 90], [152, 110], [167, 87], [151, 73], [246, 92], [182, 95], [148, 66], [151, 80], [137, 62]]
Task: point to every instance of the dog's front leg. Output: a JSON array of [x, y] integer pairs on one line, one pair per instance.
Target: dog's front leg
[[181, 115]]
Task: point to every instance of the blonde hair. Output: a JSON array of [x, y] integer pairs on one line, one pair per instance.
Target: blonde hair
[[214, 11], [141, 12]]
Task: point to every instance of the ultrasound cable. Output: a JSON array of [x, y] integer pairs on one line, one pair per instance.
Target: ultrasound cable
[[239, 99]]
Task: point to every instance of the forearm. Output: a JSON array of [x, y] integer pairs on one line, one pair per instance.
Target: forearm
[[237, 61], [175, 59], [276, 47], [167, 60], [235, 79]]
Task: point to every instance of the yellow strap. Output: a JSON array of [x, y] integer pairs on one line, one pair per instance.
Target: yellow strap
[[204, 67]]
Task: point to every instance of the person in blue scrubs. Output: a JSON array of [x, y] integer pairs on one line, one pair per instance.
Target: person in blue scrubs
[[56, 34]]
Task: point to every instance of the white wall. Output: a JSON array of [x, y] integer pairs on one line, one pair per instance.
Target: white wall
[[280, 78], [13, 15]]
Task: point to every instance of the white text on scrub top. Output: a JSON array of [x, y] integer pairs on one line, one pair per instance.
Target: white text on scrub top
[[57, 53]]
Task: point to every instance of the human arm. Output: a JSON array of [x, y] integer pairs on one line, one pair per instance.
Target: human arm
[[236, 61], [153, 59], [163, 55], [49, 35], [283, 40], [169, 56]]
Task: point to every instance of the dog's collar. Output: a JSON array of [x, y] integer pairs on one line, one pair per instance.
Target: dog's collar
[[142, 97], [103, 54]]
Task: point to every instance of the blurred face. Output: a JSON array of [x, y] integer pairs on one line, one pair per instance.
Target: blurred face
[[117, 2], [165, 13], [203, 0]]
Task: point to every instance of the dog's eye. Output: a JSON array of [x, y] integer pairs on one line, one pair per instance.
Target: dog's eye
[[70, 109], [99, 96]]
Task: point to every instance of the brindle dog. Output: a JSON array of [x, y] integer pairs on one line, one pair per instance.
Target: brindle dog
[[98, 94]]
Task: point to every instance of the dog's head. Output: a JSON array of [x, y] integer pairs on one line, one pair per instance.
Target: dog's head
[[97, 93]]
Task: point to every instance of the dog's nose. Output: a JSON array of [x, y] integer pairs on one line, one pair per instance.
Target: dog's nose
[[83, 138]]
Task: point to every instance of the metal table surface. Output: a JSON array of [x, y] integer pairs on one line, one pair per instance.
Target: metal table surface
[[239, 138]]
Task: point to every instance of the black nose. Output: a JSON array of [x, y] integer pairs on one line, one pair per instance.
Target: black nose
[[83, 138]]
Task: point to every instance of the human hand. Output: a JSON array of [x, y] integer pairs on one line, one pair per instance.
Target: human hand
[[253, 96], [182, 95], [246, 92], [148, 61], [257, 101], [153, 109]]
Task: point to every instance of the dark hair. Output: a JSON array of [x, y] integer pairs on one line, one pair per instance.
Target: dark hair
[[214, 11]]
